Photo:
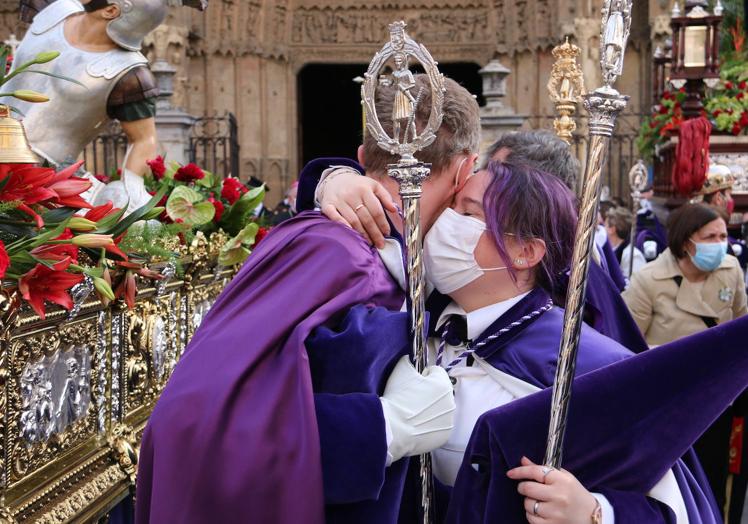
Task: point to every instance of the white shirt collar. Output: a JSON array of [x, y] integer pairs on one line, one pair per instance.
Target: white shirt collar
[[479, 320]]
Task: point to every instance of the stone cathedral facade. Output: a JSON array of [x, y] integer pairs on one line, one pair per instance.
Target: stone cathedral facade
[[247, 57]]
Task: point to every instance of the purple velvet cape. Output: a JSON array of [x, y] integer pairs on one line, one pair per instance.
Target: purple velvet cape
[[629, 423], [234, 437], [613, 266]]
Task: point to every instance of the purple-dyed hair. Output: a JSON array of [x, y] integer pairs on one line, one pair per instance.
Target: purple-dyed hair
[[529, 203]]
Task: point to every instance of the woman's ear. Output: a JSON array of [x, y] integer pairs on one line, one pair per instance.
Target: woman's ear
[[532, 252]]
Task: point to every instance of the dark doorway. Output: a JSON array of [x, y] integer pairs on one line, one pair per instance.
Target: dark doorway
[[330, 106]]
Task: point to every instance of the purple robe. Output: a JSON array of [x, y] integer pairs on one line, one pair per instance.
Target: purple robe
[[630, 422], [613, 266], [234, 435]]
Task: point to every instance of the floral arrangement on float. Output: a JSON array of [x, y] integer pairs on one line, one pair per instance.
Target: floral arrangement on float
[[198, 200], [51, 239], [725, 105]]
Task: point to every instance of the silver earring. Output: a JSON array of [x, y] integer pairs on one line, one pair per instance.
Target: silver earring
[[519, 261]]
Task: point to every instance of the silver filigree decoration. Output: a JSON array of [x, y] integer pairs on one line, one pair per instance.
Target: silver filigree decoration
[[101, 369], [55, 393], [117, 347], [80, 293], [169, 271], [159, 345], [183, 320], [172, 319]]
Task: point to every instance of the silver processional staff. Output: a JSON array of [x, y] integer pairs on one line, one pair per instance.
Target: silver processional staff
[[410, 174], [604, 105]]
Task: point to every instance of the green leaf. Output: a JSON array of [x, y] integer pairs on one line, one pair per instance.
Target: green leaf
[[236, 250], [188, 205], [237, 216], [58, 215], [46, 73], [4, 61], [110, 221], [138, 214], [207, 180]]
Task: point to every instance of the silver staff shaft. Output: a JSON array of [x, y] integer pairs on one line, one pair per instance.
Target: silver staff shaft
[[632, 240], [410, 178], [604, 107]]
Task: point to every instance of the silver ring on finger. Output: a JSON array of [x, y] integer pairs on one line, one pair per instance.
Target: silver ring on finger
[[355, 209], [535, 508]]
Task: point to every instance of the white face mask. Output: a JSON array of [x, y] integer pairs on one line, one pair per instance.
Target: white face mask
[[449, 251]]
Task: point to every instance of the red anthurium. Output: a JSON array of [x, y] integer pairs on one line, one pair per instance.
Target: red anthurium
[[4, 260], [42, 283]]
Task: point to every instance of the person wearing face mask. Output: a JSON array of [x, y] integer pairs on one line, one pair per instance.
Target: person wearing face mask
[[691, 287], [294, 401], [495, 259]]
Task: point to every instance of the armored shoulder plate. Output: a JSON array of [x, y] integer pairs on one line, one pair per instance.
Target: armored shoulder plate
[[55, 13], [29, 8], [136, 85]]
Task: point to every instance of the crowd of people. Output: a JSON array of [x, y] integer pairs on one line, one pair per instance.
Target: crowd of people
[[296, 402]]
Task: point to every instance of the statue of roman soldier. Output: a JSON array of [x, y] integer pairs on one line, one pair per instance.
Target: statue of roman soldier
[[100, 45]]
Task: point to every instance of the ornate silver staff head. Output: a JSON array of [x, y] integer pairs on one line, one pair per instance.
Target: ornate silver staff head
[[405, 140], [614, 34]]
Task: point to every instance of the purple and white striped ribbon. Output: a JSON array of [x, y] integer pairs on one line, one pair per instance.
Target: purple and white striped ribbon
[[473, 348]]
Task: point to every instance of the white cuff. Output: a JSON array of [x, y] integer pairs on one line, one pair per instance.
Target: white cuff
[[609, 516], [389, 436]]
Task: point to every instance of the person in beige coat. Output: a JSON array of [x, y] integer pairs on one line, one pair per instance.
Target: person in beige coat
[[691, 286]]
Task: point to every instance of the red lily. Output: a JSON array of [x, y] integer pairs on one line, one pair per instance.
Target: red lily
[[68, 187], [101, 212], [26, 184], [42, 283], [58, 252], [127, 288]]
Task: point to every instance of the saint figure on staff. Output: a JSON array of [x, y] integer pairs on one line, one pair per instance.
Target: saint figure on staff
[[405, 104], [614, 38]]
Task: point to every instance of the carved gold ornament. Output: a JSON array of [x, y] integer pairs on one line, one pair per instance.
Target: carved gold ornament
[[566, 88]]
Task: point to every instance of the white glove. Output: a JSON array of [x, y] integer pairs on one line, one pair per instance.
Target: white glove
[[418, 410], [650, 249]]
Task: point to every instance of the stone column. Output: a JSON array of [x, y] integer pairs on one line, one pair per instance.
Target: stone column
[[167, 47], [173, 124], [496, 118]]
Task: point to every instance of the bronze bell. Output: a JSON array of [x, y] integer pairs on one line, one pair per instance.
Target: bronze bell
[[14, 146]]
